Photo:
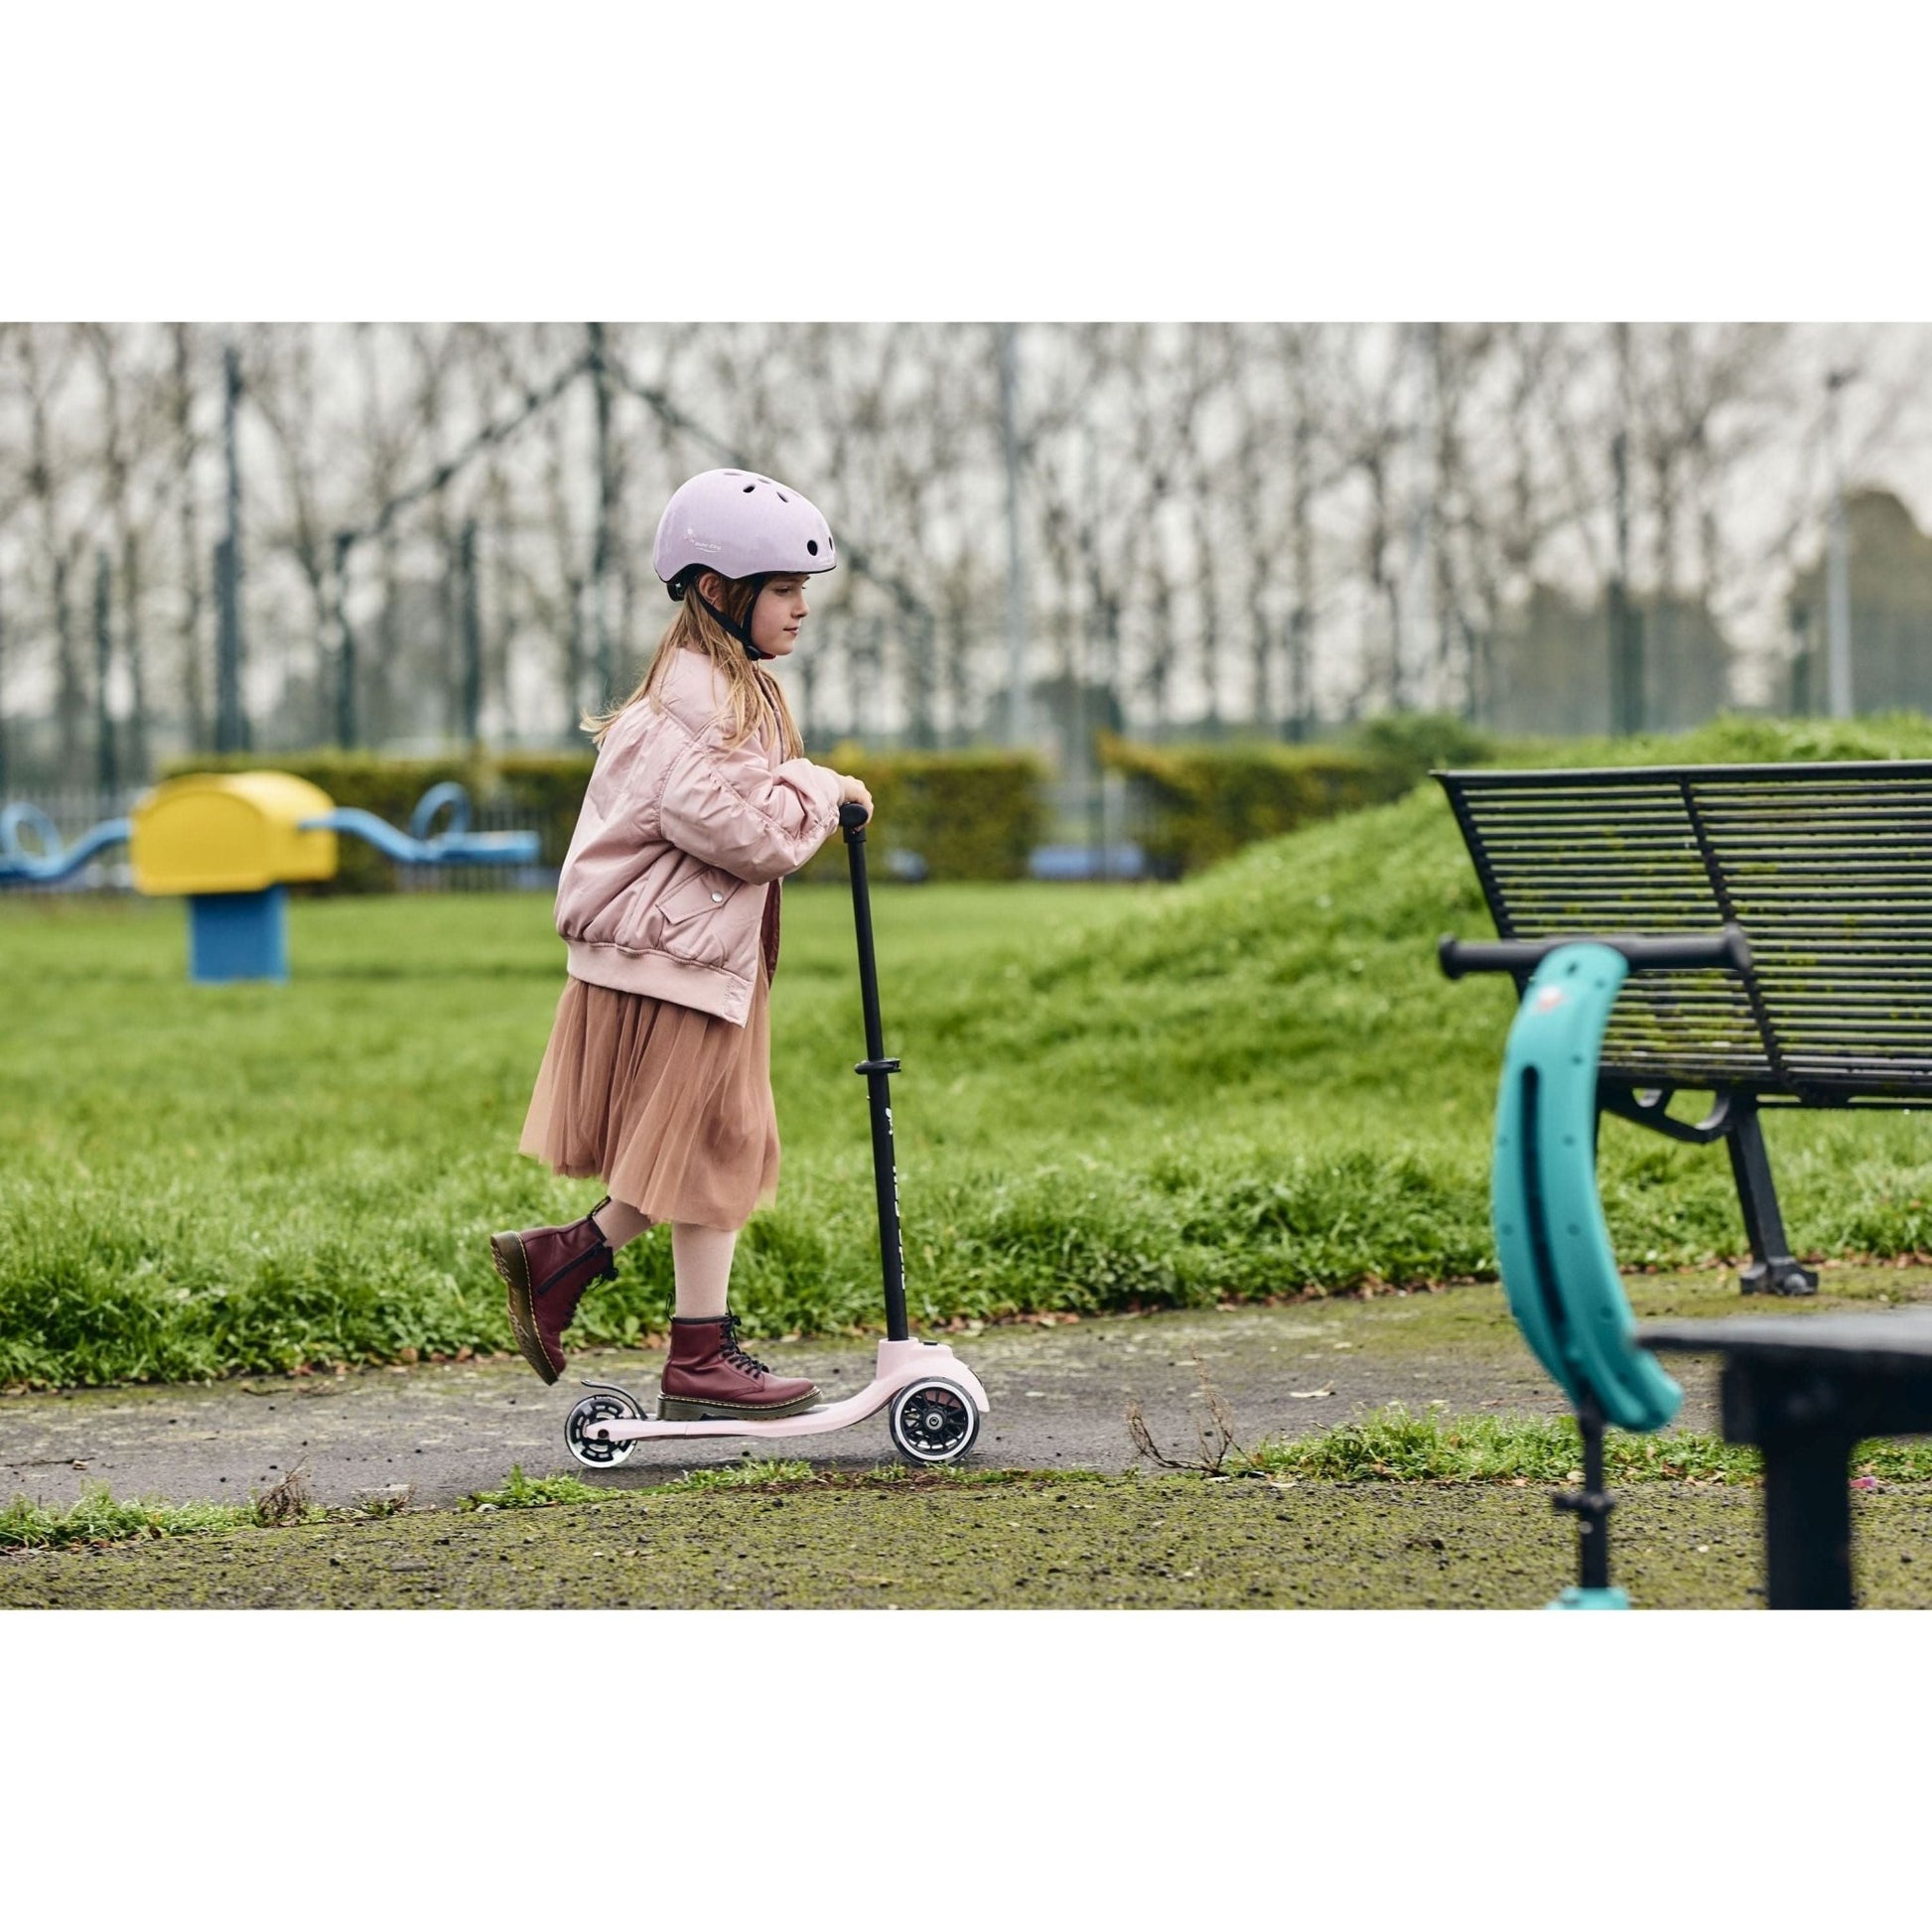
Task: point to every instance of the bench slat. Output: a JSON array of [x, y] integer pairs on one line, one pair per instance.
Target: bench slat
[[1826, 868]]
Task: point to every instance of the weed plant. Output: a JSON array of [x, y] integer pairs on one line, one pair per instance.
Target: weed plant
[[98, 1517], [520, 1491]]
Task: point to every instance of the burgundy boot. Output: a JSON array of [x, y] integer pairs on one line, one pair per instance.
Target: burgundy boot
[[710, 1376], [546, 1271]]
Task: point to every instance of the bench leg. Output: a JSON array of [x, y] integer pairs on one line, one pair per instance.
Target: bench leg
[[1798, 1420], [1772, 1270], [1807, 1523]]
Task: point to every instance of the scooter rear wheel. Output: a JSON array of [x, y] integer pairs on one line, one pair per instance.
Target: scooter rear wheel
[[606, 1405], [933, 1423]]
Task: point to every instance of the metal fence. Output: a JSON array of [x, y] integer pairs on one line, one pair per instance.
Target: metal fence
[[1095, 830]]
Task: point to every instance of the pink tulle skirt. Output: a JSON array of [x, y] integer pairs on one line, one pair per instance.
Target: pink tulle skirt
[[669, 1106]]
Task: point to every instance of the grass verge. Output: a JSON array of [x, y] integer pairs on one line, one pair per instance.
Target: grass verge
[[1395, 1445], [1154, 1542], [99, 1517]]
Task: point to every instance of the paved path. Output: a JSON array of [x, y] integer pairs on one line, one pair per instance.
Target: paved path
[[1060, 1398]]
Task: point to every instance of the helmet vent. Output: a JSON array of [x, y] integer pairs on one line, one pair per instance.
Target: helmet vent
[[811, 546], [782, 497], [748, 488]]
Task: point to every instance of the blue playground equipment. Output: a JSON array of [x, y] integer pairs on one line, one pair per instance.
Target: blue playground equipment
[[1551, 1245], [454, 845], [48, 861], [230, 844]]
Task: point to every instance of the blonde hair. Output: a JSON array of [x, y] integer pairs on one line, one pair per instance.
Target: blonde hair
[[754, 700]]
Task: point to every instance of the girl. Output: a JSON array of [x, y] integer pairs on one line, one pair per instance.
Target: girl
[[657, 1074]]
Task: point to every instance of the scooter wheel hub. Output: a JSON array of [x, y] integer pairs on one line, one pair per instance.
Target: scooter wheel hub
[[933, 1423]]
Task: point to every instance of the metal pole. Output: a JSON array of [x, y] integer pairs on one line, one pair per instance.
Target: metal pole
[[1619, 601], [1838, 587], [472, 637], [877, 1070], [1626, 661], [106, 765], [345, 644], [191, 655], [601, 544], [1593, 1524], [231, 721], [1417, 591], [1015, 563]]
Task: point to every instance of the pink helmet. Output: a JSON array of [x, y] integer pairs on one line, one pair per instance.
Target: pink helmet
[[740, 524]]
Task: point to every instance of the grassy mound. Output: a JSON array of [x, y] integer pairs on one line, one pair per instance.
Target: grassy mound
[[1254, 1083]]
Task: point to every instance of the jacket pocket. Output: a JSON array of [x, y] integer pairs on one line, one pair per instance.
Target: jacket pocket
[[703, 892]]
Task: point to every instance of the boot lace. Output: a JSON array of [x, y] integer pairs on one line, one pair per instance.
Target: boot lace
[[734, 1354]]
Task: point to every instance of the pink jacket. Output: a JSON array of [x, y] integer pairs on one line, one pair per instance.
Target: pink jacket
[[658, 891]]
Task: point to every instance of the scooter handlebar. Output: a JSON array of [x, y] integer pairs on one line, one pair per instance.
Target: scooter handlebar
[[1727, 950], [852, 819]]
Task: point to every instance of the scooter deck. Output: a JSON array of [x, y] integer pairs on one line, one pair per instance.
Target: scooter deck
[[901, 1365]]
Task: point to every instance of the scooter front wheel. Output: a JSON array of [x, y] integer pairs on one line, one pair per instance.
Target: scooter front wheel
[[606, 1405], [933, 1423]]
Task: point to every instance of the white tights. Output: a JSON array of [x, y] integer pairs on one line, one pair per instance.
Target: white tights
[[701, 1257]]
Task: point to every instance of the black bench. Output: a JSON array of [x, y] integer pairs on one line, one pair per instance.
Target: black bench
[[1806, 1393], [1828, 871]]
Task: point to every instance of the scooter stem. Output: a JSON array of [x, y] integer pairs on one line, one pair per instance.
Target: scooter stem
[[877, 1070]]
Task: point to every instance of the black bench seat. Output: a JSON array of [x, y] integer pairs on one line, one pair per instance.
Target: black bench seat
[[1806, 1392], [1828, 871]]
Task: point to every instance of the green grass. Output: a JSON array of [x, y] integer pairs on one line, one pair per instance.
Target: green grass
[[98, 1517], [531, 1492], [1252, 1084], [1395, 1445]]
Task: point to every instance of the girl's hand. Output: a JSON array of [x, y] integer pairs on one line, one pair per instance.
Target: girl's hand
[[852, 792]]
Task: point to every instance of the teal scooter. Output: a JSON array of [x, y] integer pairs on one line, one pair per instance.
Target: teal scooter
[[1557, 1267]]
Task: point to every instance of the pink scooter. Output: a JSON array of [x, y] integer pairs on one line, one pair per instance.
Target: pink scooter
[[932, 1401]]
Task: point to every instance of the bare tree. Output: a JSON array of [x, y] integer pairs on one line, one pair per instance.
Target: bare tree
[[46, 359], [1244, 525], [187, 452], [134, 421], [1300, 345], [282, 386], [1209, 359], [1372, 432]]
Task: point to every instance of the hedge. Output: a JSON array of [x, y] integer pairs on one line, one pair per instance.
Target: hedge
[[1202, 802], [964, 814]]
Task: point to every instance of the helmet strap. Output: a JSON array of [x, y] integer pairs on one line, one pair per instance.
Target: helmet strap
[[738, 630]]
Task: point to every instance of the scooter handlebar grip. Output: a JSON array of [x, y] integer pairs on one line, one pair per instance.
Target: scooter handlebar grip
[[1460, 956], [852, 819], [1729, 948], [1726, 949]]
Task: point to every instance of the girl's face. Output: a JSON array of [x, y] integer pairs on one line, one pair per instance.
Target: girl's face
[[776, 616]]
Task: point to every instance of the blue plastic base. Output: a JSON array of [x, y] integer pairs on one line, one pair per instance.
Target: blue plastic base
[[238, 936], [1577, 1598]]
